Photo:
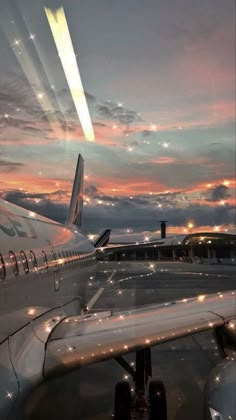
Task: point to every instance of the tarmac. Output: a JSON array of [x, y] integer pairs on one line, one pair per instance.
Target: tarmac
[[183, 365]]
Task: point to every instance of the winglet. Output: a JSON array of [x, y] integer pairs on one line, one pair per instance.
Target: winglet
[[76, 203]]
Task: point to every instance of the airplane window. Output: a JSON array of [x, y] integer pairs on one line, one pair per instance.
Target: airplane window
[[64, 257], [14, 263], [24, 262], [33, 260], [45, 259], [70, 256], [2, 268], [54, 258]]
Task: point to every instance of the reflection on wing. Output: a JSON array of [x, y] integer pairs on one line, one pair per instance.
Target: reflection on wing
[[78, 341]]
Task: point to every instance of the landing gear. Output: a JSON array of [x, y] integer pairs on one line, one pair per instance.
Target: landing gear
[[157, 401], [128, 407], [123, 401]]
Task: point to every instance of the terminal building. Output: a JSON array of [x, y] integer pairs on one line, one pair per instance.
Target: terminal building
[[195, 247]]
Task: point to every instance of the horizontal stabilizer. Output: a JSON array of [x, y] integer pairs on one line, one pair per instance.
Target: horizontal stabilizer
[[76, 203], [103, 239]]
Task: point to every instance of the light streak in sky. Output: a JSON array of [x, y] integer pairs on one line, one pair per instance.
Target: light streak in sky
[[60, 31], [29, 67]]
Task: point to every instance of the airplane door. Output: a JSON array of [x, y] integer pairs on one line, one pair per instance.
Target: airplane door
[[56, 269]]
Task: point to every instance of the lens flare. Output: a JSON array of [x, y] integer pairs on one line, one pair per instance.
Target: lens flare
[[61, 35]]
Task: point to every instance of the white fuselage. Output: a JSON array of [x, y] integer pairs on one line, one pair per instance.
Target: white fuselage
[[43, 265]]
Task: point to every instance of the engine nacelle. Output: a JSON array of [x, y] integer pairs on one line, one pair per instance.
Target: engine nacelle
[[220, 389], [220, 392]]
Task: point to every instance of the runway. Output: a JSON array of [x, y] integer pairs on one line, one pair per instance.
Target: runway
[[183, 364]]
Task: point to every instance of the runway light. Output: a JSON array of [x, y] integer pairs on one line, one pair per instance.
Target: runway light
[[60, 31]]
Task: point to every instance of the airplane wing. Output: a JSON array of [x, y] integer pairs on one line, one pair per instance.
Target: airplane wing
[[78, 341]]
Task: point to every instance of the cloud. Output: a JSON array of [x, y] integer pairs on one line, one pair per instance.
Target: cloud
[[91, 190], [131, 215], [141, 213], [146, 133], [39, 203], [220, 192], [8, 166], [117, 113]]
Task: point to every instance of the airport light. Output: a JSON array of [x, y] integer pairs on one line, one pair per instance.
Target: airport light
[[61, 35], [190, 226]]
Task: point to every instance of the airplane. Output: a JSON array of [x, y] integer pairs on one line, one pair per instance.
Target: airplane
[[46, 329]]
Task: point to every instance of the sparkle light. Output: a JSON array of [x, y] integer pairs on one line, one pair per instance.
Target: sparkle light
[[165, 145], [60, 31], [31, 311]]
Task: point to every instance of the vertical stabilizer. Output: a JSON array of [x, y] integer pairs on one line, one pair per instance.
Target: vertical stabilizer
[[76, 203]]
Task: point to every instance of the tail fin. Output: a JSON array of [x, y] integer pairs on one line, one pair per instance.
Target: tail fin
[[103, 239], [76, 203]]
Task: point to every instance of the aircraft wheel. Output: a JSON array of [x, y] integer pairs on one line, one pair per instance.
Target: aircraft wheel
[[157, 401], [122, 404]]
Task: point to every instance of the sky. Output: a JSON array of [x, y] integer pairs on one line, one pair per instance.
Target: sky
[[159, 80]]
